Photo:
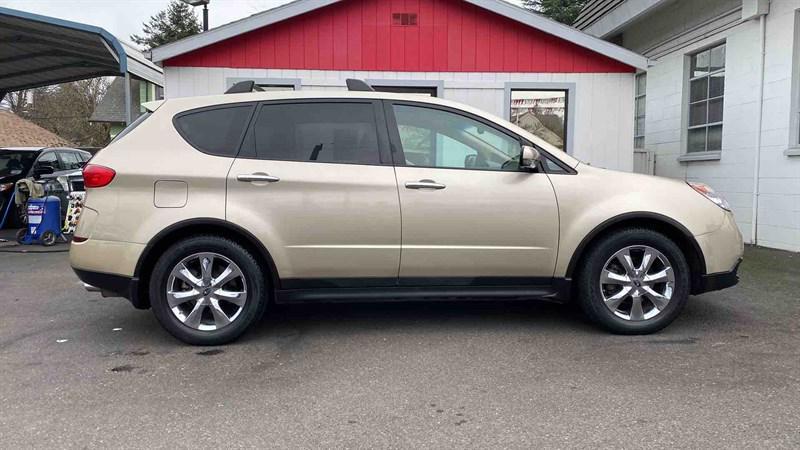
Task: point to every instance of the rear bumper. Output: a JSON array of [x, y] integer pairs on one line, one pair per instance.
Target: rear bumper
[[717, 281], [111, 285]]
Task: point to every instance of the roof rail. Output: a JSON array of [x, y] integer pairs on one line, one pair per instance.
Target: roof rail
[[358, 85], [244, 87]]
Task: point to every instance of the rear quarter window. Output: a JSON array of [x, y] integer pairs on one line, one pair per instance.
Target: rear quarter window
[[217, 130]]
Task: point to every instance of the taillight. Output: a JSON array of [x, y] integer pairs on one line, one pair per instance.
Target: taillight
[[95, 176]]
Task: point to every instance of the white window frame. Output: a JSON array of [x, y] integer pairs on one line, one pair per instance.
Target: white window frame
[[712, 155], [793, 149], [636, 97], [430, 84], [570, 88]]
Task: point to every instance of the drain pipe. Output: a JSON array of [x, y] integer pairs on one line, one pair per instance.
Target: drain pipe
[[759, 118]]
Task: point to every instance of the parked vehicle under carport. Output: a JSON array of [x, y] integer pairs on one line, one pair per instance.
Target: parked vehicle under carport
[[17, 163]]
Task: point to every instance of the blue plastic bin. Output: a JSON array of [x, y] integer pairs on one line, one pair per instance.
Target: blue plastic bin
[[44, 221]]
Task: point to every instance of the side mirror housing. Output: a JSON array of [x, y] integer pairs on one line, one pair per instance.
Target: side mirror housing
[[42, 170], [529, 157]]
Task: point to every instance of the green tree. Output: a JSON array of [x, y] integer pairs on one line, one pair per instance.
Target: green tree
[[176, 22], [564, 11]]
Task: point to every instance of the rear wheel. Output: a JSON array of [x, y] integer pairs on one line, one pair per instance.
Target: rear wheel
[[634, 281], [48, 238], [207, 290]]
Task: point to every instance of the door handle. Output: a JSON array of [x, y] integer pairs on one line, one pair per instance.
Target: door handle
[[424, 184], [263, 177]]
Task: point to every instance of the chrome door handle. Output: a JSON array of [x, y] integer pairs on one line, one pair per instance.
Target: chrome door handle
[[424, 184], [263, 177]]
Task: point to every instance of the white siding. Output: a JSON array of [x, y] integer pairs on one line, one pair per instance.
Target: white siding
[[733, 174], [603, 126]]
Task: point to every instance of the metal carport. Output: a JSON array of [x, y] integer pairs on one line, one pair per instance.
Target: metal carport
[[40, 51]]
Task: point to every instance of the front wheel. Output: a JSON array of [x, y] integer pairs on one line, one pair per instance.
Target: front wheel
[[634, 281], [207, 290]]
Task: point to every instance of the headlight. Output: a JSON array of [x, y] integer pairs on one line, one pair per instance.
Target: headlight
[[709, 193]]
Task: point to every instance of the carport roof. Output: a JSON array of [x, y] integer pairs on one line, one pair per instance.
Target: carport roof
[[38, 51]]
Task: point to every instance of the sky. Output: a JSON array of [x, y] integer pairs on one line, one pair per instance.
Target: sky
[[125, 17]]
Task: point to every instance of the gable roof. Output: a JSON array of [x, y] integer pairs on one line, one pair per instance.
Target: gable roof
[[18, 132], [112, 106], [602, 18], [299, 7]]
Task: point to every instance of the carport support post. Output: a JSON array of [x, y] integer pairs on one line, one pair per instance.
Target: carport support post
[[128, 105]]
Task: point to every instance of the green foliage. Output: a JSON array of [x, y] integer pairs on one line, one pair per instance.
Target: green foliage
[[564, 11], [176, 22]]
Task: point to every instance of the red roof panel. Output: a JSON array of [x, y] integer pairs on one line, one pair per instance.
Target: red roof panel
[[449, 36]]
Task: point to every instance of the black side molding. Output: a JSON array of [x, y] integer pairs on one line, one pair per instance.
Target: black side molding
[[404, 294]]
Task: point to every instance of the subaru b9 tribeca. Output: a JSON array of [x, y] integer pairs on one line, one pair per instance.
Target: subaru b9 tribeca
[[208, 209]]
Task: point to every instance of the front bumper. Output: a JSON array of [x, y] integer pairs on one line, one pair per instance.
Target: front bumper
[[110, 285], [717, 281]]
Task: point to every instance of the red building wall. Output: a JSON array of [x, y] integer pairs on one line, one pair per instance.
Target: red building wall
[[450, 36]]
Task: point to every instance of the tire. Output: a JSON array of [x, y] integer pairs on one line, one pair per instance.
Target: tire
[[597, 296], [48, 238], [21, 233], [210, 328]]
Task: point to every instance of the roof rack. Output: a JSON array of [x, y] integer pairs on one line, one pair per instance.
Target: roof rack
[[244, 87], [354, 84]]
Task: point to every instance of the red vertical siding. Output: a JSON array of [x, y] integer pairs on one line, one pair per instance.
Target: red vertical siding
[[450, 36]]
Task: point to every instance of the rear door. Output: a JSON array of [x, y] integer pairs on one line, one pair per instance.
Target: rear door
[[313, 181]]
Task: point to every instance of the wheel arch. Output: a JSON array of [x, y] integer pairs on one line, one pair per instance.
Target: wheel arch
[[192, 227], [658, 222]]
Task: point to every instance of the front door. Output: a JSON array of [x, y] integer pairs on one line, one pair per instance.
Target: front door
[[470, 215], [314, 184]]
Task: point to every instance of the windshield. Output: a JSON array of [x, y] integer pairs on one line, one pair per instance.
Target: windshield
[[15, 162]]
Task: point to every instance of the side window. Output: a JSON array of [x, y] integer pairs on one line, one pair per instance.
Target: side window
[[323, 132], [70, 160], [48, 160], [216, 131], [436, 138], [85, 157]]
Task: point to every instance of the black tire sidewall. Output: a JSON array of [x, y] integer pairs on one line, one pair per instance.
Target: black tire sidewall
[[591, 298], [256, 289], [48, 238]]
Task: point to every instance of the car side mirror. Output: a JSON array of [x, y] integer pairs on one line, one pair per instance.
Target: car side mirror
[[42, 170], [529, 157]]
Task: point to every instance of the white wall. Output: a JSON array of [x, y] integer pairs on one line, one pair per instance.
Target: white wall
[[603, 127], [733, 174]]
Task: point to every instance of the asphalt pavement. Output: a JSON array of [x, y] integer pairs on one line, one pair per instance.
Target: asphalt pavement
[[77, 370]]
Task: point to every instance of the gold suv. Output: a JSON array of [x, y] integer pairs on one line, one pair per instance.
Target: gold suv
[[206, 209]]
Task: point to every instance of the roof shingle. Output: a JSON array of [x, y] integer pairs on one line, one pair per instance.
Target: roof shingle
[[18, 132]]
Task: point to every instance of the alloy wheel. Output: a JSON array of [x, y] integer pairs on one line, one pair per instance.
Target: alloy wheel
[[637, 283], [206, 291]]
